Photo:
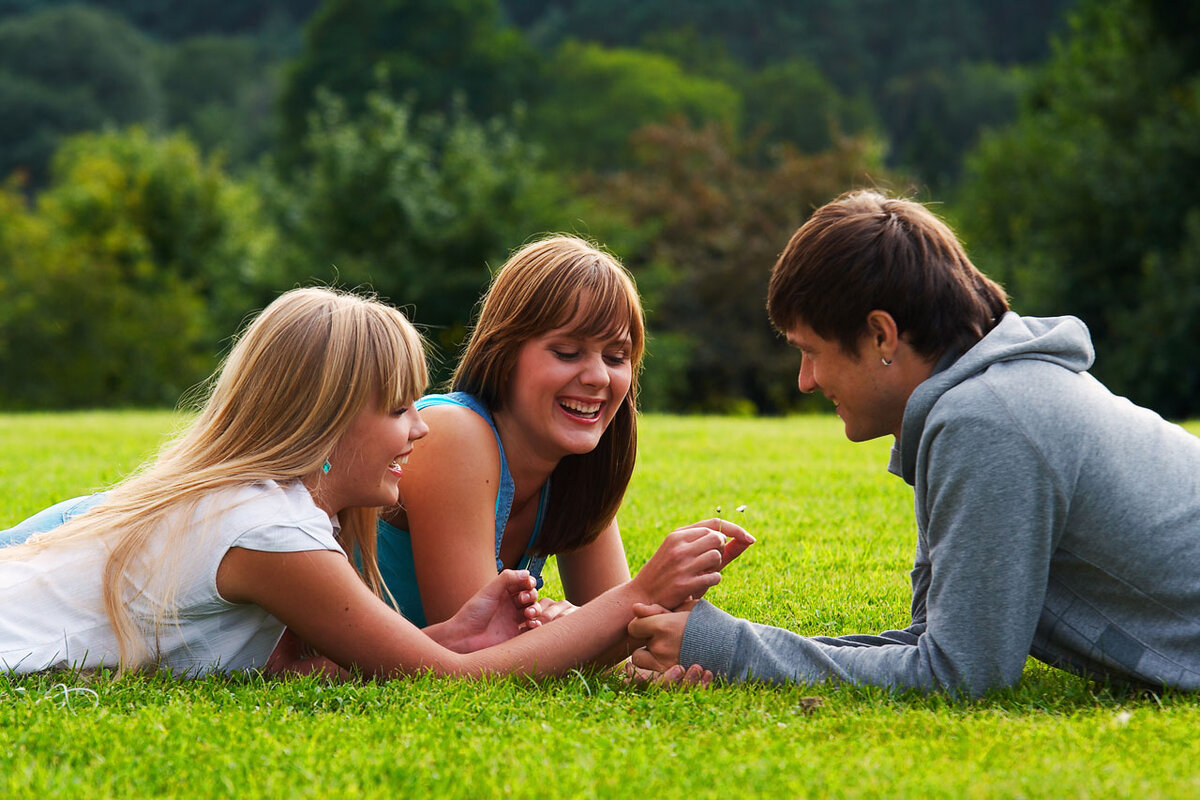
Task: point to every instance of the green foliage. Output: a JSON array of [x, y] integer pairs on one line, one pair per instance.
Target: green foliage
[[713, 227], [596, 97], [937, 115], [221, 90], [835, 544], [414, 207], [139, 259], [921, 73], [1084, 206], [181, 19], [432, 52], [793, 102], [65, 70]]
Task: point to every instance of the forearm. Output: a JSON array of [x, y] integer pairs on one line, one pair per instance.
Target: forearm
[[446, 634], [739, 650], [594, 634]]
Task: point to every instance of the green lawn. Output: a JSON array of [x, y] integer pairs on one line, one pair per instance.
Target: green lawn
[[835, 544]]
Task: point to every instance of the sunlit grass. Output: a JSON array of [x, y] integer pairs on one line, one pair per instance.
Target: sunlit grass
[[835, 537]]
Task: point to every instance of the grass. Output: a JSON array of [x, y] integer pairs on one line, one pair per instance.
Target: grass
[[835, 543]]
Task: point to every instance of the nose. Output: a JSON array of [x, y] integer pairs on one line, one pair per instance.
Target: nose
[[595, 371], [419, 429], [806, 381]]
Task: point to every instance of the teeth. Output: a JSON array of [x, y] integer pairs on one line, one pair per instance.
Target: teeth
[[582, 408]]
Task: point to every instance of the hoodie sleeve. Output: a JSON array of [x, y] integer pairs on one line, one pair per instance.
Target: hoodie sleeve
[[989, 530]]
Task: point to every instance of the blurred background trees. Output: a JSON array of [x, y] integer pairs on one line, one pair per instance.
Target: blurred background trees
[[168, 167]]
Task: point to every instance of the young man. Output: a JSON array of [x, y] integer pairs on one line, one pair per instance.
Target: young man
[[1054, 518]]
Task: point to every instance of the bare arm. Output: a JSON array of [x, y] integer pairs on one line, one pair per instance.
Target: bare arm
[[595, 568], [319, 596]]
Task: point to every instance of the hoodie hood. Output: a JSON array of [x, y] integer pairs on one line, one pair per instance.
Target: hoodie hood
[[1064, 341]]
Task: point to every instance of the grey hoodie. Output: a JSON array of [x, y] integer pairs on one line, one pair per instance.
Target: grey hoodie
[[1054, 519]]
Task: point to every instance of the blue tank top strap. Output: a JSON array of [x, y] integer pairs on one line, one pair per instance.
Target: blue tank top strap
[[530, 562], [507, 489]]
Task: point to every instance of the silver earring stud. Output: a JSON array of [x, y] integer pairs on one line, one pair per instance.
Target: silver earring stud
[[886, 363]]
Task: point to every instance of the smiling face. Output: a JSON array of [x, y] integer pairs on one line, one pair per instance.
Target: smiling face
[[566, 388], [366, 464], [863, 390]]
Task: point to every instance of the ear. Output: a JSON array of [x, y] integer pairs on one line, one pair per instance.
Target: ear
[[883, 336]]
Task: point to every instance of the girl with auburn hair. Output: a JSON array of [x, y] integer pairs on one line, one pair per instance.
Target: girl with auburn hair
[[531, 452], [255, 517]]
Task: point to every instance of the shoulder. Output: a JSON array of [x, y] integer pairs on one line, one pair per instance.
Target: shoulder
[[458, 429], [460, 450], [1023, 391], [272, 516]]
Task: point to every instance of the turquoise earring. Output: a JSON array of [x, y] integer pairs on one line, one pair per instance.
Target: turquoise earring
[[326, 466]]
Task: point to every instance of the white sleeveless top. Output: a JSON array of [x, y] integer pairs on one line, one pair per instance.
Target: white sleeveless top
[[52, 610]]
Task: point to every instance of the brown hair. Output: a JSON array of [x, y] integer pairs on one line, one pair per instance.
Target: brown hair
[[864, 251], [544, 286]]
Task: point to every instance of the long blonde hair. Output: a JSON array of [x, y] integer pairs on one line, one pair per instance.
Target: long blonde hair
[[546, 285], [288, 390]]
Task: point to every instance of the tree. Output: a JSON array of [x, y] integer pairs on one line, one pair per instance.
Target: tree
[[172, 20], [65, 70], [1084, 205], [935, 116], [140, 258], [712, 229], [430, 52], [221, 90], [792, 101], [596, 97], [415, 207]]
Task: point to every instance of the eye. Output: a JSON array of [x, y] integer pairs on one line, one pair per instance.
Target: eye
[[616, 359], [565, 355], [400, 412]]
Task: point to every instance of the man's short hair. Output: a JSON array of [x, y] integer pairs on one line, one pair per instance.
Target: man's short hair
[[865, 251]]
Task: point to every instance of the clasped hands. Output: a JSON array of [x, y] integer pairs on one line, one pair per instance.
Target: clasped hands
[[662, 629]]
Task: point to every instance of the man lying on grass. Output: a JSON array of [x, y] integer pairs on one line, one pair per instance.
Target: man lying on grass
[[1054, 518]]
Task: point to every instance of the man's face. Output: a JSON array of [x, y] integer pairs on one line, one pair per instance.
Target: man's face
[[859, 386]]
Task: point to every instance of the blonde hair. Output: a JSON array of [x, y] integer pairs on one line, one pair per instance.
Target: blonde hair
[[288, 390], [548, 284]]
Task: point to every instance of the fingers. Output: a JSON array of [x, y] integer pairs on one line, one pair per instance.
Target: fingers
[[644, 627], [517, 580], [733, 549], [648, 609], [735, 538], [723, 527], [674, 676], [737, 533], [550, 610]]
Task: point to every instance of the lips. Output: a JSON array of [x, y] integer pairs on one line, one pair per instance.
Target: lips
[[397, 464], [586, 410]]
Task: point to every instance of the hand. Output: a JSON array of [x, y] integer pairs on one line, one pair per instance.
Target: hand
[[686, 564], [292, 655], [662, 630], [737, 538], [550, 610], [674, 677], [506, 606]]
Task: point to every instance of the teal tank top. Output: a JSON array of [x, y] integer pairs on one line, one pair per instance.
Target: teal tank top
[[394, 546]]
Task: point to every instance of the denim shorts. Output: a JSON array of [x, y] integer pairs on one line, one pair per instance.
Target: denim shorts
[[49, 518]]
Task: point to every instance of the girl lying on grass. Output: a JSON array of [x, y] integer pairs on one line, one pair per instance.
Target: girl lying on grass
[[243, 526], [531, 452]]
